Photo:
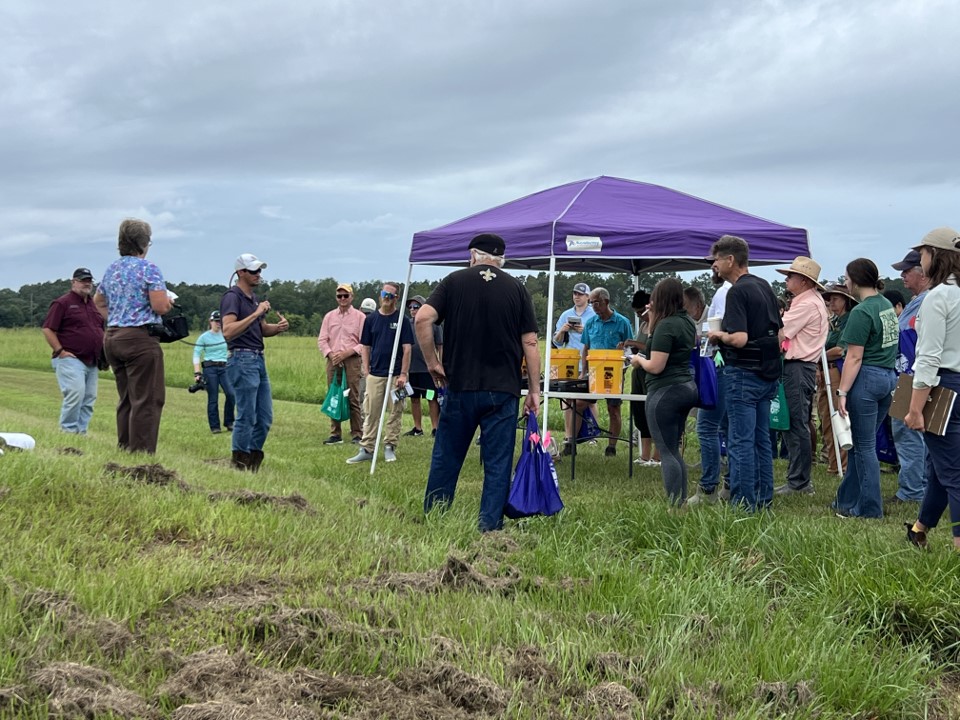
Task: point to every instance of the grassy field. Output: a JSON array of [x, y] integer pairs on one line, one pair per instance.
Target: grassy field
[[174, 587]]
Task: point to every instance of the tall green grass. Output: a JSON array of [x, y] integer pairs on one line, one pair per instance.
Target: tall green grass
[[705, 613]]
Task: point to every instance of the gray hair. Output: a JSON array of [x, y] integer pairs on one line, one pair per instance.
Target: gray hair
[[487, 258], [134, 237]]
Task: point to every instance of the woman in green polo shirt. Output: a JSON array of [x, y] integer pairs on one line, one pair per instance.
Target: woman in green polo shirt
[[671, 391], [866, 386]]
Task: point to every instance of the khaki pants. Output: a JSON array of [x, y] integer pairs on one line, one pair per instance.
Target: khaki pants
[[376, 389], [826, 428], [352, 368]]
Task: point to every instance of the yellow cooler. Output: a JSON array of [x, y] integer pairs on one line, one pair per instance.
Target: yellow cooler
[[605, 371]]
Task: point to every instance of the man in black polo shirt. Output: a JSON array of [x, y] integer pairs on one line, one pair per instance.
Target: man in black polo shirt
[[243, 317], [74, 330], [489, 325], [751, 354]]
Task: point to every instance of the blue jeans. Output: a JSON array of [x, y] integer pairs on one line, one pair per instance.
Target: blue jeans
[[215, 378], [748, 399], [912, 453], [943, 472], [495, 413], [78, 383], [247, 373], [709, 425], [867, 403]]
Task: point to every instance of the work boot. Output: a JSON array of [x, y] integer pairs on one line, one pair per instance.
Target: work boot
[[256, 460], [240, 460]]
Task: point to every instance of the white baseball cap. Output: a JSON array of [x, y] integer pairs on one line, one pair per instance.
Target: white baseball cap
[[248, 261], [368, 305]]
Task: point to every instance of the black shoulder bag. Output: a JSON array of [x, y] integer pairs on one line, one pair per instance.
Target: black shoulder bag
[[174, 326]]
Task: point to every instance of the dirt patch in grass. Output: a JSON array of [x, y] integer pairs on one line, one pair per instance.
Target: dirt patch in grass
[[111, 637], [251, 497], [471, 693], [251, 595], [81, 691], [71, 451], [455, 574], [785, 696], [154, 474], [610, 700]]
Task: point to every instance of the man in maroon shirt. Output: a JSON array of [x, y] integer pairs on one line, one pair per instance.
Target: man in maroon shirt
[[74, 330]]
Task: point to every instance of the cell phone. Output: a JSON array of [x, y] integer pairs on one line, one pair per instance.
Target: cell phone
[[573, 322]]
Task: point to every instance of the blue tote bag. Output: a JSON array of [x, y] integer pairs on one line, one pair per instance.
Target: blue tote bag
[[705, 375], [535, 488]]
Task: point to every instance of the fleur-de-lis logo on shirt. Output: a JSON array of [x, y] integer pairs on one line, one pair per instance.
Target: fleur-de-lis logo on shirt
[[488, 275]]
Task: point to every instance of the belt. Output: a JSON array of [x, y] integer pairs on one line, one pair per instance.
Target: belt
[[805, 362], [212, 363], [246, 350]]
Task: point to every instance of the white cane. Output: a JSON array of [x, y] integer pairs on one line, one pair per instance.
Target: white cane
[[829, 388]]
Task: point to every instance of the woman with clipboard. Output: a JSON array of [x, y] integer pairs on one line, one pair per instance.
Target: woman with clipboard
[[938, 366]]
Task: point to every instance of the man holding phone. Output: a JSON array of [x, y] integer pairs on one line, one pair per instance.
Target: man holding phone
[[569, 334]]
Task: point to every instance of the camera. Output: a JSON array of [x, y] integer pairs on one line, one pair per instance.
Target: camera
[[198, 384]]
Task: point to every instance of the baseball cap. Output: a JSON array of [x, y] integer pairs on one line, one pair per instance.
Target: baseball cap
[[215, 315], [368, 305], [581, 289], [418, 299], [910, 261], [248, 261], [944, 238], [82, 274], [345, 286], [488, 243]]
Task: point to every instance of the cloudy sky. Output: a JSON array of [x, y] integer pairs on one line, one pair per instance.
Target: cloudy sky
[[321, 135]]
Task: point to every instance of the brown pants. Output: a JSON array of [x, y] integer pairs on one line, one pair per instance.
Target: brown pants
[[137, 363], [352, 367], [826, 428]]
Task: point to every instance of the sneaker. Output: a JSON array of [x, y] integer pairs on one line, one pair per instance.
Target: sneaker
[[724, 494], [844, 514], [433, 433], [355, 441], [230, 427], [789, 490], [363, 455], [215, 431], [415, 432], [647, 463], [333, 440], [610, 451], [388, 453], [919, 539], [703, 498]]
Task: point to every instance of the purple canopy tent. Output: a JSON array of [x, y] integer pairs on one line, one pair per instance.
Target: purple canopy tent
[[607, 224], [604, 224]]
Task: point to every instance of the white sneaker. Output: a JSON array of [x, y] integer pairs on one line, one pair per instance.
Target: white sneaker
[[702, 498], [388, 453], [363, 455]]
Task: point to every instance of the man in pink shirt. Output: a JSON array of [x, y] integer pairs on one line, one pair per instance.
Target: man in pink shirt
[[339, 343], [802, 338]]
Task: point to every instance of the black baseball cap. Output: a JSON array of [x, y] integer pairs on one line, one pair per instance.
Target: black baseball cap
[[82, 274]]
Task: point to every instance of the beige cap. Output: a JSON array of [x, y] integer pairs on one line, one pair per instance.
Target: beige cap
[[837, 289], [944, 238], [807, 267]]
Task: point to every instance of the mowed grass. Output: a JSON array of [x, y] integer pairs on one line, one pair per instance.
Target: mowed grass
[[313, 573]]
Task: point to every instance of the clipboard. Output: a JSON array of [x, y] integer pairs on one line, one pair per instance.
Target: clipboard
[[937, 411]]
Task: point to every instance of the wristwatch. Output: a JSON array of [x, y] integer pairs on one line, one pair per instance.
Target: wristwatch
[[57, 353]]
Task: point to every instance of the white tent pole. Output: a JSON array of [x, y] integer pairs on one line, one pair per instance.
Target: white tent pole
[[549, 347], [829, 388], [393, 359]]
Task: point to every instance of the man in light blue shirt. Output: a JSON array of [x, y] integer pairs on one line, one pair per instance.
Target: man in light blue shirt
[[569, 335], [609, 330]]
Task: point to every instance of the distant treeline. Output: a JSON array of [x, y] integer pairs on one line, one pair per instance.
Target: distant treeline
[[304, 303]]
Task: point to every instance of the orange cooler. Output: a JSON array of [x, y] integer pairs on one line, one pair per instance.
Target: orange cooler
[[564, 364], [606, 371]]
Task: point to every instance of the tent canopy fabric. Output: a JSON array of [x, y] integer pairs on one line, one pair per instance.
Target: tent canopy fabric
[[608, 224]]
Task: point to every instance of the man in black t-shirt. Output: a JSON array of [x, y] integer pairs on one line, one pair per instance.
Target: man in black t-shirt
[[751, 353], [376, 340], [489, 327]]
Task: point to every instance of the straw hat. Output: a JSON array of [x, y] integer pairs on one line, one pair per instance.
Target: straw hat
[[837, 289], [807, 267]]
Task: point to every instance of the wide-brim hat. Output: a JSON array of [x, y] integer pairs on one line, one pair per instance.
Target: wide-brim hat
[[945, 238], [837, 289], [807, 267]]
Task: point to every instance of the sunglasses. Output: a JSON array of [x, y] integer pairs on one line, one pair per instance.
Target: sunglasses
[[387, 295], [341, 296], [254, 272], [414, 307]]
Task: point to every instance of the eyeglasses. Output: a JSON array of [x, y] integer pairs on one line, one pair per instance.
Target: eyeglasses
[[341, 296], [387, 295], [254, 272]]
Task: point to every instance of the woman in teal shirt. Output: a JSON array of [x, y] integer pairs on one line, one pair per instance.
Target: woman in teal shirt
[[671, 391], [210, 363], [866, 386]]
